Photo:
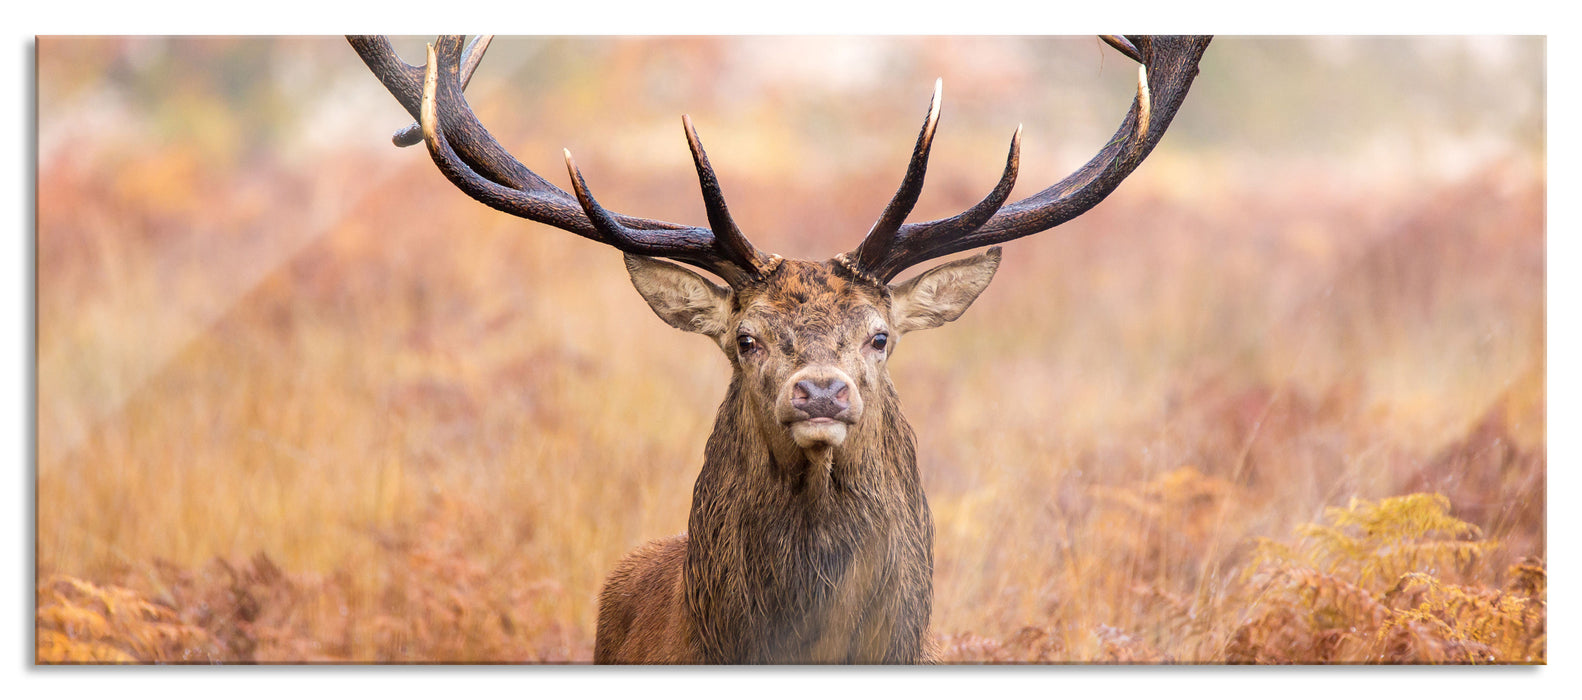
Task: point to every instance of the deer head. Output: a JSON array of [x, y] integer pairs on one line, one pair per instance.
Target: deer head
[[810, 341]]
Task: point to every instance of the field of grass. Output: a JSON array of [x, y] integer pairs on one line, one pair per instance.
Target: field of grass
[[1281, 398]]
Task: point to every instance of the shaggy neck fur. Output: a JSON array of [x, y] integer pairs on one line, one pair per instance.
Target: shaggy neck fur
[[795, 561]]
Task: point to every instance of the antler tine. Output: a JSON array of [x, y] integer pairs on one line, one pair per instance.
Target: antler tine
[[1123, 45], [1144, 106], [960, 224], [882, 235], [476, 146], [1168, 66], [456, 168], [634, 241], [439, 86], [732, 243], [412, 134]]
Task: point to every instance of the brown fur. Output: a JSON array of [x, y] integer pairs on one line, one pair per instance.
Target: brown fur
[[793, 554], [640, 610]]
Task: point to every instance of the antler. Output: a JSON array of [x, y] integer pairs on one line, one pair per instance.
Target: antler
[[412, 134], [1169, 63], [476, 163]]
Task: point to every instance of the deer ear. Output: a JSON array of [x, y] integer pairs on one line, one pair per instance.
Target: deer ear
[[942, 294], [681, 297]]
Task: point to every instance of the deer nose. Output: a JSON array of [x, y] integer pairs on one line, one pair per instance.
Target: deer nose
[[827, 398]]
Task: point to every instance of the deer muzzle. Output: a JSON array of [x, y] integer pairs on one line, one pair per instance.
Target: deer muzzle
[[818, 405]]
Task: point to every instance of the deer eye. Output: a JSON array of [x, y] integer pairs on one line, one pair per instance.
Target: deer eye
[[746, 344], [880, 340]]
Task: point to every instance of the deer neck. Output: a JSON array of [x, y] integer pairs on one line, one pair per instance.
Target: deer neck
[[797, 557]]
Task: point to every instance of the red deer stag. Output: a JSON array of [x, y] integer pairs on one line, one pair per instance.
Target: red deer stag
[[809, 539]]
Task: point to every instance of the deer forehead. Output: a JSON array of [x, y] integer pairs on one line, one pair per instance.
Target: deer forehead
[[805, 298]]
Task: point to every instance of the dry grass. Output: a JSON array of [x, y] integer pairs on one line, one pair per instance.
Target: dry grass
[[299, 401], [1379, 584]]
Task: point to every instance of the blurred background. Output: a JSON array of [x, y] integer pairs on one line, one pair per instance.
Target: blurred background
[[308, 402]]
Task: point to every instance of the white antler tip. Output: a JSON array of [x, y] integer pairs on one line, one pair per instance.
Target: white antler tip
[[1144, 101], [427, 112], [933, 104]]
